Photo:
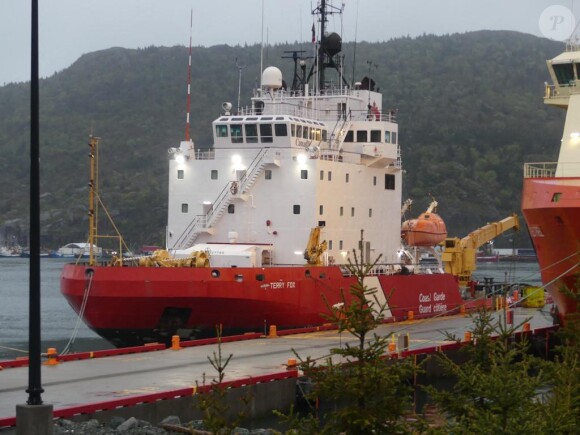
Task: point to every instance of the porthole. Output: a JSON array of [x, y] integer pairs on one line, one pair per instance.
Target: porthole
[[215, 273]]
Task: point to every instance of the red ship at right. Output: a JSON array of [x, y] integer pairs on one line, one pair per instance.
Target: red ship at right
[[551, 194]]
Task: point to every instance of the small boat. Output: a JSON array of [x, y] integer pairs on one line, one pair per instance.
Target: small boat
[[75, 250], [10, 251], [427, 230]]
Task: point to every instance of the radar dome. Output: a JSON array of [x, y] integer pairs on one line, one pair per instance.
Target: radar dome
[[272, 78]]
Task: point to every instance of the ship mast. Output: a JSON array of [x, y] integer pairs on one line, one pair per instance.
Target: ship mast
[[93, 186], [328, 47]]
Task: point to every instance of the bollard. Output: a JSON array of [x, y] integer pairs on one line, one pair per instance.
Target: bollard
[[291, 364], [526, 327], [175, 343], [510, 317], [273, 331], [467, 336], [403, 342], [392, 345], [51, 357], [410, 315]]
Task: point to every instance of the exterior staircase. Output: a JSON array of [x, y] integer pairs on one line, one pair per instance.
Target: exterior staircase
[[232, 190]]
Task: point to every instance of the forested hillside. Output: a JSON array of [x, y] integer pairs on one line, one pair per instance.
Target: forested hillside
[[469, 107]]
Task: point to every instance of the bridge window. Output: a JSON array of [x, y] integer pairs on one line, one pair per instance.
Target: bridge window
[[324, 135], [330, 245], [184, 208], [340, 244], [321, 175], [329, 175], [293, 130], [361, 136], [296, 208], [298, 131], [394, 137], [389, 182], [349, 136], [266, 133], [237, 136], [214, 174], [180, 174], [221, 130], [281, 129], [387, 137], [375, 135], [564, 73], [251, 133], [305, 132]]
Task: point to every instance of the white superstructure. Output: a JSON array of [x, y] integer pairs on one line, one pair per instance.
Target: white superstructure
[[326, 155]]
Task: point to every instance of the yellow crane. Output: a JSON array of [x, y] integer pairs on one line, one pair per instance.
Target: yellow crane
[[459, 255], [314, 249]]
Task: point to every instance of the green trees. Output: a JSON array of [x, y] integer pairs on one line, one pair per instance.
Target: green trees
[[369, 393]]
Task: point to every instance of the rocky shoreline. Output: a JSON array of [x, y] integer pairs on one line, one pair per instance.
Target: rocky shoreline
[[134, 426]]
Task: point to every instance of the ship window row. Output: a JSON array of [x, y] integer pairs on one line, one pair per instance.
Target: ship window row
[[341, 211], [374, 136], [251, 133], [310, 133], [264, 133]]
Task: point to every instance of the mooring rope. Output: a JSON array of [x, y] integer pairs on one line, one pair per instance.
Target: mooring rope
[[80, 315]]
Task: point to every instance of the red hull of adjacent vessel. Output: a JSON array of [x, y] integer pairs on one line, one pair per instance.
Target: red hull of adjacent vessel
[[551, 207], [130, 305]]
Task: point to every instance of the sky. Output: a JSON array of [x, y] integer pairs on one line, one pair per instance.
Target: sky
[[70, 28]]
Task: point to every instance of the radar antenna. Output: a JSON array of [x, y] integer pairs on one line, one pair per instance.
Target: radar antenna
[[329, 46]]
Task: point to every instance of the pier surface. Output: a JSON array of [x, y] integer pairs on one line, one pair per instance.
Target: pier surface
[[96, 380]]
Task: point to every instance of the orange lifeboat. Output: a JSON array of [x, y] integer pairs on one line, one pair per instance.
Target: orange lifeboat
[[426, 230]]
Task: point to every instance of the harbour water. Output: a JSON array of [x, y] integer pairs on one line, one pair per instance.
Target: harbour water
[[59, 320]]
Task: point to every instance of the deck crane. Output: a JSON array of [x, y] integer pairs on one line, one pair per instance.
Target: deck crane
[[459, 255], [315, 250]]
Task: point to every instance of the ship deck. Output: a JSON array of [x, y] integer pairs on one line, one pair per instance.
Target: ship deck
[[98, 380]]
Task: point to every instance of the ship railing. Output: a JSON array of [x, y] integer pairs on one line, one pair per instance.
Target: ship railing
[[384, 269], [290, 108], [551, 169], [204, 154], [540, 170]]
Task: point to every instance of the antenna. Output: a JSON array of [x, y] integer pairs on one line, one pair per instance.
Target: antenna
[[240, 68], [262, 47], [187, 136]]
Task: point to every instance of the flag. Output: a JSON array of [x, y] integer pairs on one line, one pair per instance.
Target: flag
[[313, 33]]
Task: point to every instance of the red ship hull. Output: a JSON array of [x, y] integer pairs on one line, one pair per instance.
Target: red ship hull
[[133, 305], [551, 207]]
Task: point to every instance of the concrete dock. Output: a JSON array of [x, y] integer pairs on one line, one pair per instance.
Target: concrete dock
[[101, 379]]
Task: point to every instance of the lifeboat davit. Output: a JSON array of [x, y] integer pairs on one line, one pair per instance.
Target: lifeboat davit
[[427, 230]]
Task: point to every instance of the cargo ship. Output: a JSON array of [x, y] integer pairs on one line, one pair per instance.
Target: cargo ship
[[262, 226], [551, 190]]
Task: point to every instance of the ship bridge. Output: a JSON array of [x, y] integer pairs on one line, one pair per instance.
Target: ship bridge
[[564, 92]]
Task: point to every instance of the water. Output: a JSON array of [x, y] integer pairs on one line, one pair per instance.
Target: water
[[57, 318], [511, 272]]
